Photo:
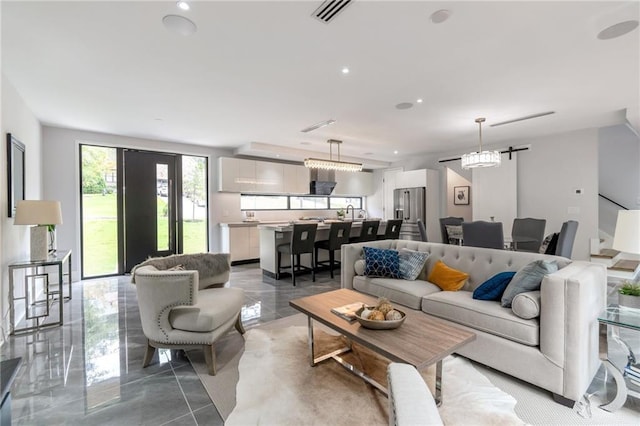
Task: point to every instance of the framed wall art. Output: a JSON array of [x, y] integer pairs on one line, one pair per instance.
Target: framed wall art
[[461, 195], [15, 172]]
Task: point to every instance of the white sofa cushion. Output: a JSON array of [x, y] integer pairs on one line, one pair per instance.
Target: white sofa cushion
[[214, 308], [485, 315], [527, 305], [403, 292]]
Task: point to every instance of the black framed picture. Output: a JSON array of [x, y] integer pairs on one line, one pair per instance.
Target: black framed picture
[[15, 172], [461, 195]]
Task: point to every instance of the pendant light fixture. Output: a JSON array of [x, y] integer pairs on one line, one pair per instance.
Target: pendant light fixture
[[481, 158], [331, 164]]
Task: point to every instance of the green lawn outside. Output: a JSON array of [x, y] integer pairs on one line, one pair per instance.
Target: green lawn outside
[[100, 255]]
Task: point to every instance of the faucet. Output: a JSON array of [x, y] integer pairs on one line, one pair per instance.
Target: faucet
[[352, 212]]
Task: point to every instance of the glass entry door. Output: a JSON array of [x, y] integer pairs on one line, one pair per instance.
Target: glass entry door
[[150, 208]]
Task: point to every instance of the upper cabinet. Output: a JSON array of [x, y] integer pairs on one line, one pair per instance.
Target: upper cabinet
[[296, 179], [411, 179], [251, 176], [353, 183]]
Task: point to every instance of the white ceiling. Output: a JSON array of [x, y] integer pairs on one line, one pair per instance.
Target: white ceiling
[[256, 73]]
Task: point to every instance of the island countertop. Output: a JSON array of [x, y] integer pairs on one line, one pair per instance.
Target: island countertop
[[288, 226]]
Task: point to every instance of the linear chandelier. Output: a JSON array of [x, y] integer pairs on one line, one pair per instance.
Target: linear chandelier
[[481, 158], [331, 164]]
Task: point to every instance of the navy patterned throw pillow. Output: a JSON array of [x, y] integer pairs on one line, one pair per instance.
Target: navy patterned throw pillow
[[381, 262]]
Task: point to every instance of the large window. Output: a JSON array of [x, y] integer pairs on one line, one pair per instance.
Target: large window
[[297, 202]]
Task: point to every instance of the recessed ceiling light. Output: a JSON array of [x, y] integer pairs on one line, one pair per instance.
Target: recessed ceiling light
[[440, 16], [183, 5], [179, 25], [395, 152], [345, 70], [404, 105], [368, 153], [305, 143], [419, 101], [617, 30]]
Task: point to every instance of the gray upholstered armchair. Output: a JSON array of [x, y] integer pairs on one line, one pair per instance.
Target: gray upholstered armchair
[[177, 314]]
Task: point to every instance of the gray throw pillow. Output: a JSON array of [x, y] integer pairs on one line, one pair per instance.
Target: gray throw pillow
[[359, 267], [527, 305], [412, 263], [528, 278]]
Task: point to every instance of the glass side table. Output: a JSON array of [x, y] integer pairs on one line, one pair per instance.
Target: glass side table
[[37, 301], [615, 317]]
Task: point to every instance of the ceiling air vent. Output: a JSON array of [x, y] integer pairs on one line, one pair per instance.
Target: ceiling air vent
[[330, 9], [528, 117]]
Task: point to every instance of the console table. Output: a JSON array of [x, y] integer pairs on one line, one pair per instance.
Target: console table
[[37, 303], [615, 317], [8, 370]]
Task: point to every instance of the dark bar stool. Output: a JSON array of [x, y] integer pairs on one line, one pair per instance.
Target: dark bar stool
[[368, 232], [338, 235], [392, 230], [302, 240]]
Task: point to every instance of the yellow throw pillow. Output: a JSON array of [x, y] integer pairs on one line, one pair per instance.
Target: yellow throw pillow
[[447, 278]]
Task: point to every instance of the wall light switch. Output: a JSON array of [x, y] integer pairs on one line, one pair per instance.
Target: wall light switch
[[573, 210]]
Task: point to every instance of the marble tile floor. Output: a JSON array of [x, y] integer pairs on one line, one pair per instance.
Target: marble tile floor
[[89, 371]]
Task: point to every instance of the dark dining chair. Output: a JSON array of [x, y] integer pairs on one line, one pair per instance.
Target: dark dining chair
[[391, 230], [566, 238], [483, 234], [423, 231], [451, 220], [527, 234], [338, 235], [302, 241], [368, 232]]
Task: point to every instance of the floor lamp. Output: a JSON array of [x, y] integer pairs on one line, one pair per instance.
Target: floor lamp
[[45, 215]]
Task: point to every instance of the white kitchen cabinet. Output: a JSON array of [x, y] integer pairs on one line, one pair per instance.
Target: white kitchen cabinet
[[241, 242], [236, 175], [411, 179], [296, 179], [269, 177], [353, 183]]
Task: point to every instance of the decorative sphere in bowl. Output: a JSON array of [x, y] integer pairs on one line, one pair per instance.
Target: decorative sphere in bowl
[[382, 324]]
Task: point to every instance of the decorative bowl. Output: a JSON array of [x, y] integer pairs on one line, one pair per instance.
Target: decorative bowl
[[380, 325]]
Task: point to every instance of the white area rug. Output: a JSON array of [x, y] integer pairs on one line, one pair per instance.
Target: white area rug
[[278, 387]]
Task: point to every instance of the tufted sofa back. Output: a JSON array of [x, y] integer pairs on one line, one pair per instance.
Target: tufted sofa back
[[480, 263]]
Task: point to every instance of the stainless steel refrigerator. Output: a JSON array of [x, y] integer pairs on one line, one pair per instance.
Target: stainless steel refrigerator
[[409, 205]]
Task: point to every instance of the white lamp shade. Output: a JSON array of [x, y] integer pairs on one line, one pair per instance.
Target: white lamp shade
[[627, 236], [38, 212]]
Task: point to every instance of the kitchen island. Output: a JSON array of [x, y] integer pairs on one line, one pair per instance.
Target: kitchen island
[[274, 234]]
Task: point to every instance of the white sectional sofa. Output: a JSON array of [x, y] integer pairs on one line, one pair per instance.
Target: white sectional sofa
[[557, 351]]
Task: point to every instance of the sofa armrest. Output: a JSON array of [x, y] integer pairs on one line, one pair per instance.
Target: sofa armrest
[[410, 401], [571, 300], [159, 292]]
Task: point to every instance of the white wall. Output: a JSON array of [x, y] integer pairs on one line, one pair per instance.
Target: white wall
[[619, 177], [62, 179], [547, 175], [457, 210], [18, 120]]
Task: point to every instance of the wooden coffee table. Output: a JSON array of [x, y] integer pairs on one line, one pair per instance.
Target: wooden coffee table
[[421, 340]]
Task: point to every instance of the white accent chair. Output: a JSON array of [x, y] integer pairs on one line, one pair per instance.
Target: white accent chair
[[176, 314], [410, 401]]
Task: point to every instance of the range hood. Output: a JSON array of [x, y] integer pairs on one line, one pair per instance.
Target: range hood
[[321, 182]]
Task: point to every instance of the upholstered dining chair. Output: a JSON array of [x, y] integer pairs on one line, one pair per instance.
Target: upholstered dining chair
[[177, 314], [483, 234], [391, 230], [451, 220], [338, 235], [303, 238], [566, 238], [527, 234], [423, 231]]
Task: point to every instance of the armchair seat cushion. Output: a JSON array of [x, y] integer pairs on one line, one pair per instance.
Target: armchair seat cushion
[[215, 307]]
